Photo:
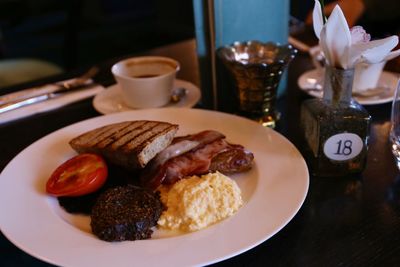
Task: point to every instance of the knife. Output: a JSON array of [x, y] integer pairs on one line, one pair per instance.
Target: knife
[[77, 83], [11, 105]]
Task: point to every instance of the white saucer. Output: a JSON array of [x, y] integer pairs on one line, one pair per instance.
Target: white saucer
[[110, 100], [310, 80]]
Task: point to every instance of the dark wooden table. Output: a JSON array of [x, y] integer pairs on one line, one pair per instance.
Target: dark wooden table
[[353, 221]]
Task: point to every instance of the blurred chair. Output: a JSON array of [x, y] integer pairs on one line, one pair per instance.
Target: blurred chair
[[81, 33], [16, 71]]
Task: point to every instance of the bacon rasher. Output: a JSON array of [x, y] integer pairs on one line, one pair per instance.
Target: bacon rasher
[[195, 155]]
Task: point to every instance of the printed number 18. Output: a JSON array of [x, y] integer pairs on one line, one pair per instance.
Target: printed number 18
[[344, 147]]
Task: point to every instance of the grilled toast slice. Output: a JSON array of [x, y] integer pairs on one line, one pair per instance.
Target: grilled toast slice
[[131, 144]]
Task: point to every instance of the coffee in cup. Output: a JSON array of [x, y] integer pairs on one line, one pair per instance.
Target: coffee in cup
[[146, 82]]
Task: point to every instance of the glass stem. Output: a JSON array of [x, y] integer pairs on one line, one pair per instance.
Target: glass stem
[[338, 85]]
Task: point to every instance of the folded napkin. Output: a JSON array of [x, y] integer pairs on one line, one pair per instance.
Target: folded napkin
[[344, 47], [51, 104]]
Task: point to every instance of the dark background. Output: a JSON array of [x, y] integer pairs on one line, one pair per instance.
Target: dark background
[[73, 33], [79, 33]]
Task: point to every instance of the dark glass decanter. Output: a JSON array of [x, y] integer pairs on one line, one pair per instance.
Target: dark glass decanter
[[336, 128]]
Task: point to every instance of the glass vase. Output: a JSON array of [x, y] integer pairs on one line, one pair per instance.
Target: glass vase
[[336, 128], [257, 69]]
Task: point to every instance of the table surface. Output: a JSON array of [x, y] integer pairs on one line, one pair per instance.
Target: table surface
[[353, 221]]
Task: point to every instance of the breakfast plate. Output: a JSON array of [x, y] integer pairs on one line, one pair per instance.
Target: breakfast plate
[[272, 195], [110, 100], [311, 82]]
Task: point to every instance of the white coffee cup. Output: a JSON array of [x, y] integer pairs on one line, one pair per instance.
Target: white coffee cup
[[366, 76], [146, 82]]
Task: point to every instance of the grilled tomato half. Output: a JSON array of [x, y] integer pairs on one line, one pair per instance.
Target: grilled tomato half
[[80, 175]]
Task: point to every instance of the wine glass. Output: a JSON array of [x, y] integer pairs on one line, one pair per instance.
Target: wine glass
[[395, 128]]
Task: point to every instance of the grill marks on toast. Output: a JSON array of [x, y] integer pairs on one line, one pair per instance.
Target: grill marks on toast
[[91, 138], [133, 136], [146, 137], [116, 138], [131, 144]]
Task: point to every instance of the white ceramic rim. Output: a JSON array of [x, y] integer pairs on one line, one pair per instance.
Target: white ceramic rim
[[110, 100], [145, 58], [272, 192], [387, 78]]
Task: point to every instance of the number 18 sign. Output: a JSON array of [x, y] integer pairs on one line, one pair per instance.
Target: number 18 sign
[[343, 146]]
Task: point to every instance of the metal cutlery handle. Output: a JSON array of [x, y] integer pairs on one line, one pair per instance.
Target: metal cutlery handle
[[27, 93], [49, 88], [40, 98], [22, 103]]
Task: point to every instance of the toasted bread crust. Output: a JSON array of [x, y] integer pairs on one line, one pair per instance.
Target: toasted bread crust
[[131, 144]]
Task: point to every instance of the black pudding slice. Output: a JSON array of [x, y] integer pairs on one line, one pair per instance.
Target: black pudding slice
[[117, 176], [125, 213]]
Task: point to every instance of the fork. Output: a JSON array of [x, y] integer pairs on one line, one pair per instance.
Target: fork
[[78, 81]]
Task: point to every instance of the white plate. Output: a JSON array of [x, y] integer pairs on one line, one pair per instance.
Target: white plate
[[312, 79], [110, 100], [272, 193]]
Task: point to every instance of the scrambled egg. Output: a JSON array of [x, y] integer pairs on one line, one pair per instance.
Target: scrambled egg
[[197, 202]]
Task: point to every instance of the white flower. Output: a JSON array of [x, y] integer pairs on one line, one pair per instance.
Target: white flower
[[359, 35], [344, 48]]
